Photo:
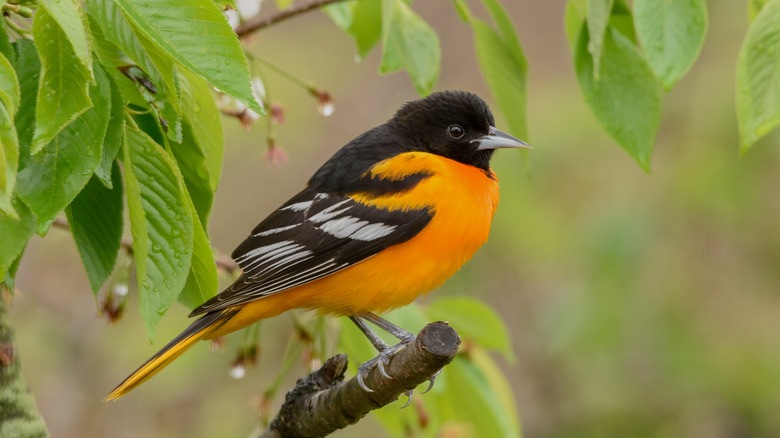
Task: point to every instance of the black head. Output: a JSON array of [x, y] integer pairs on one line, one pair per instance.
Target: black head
[[454, 124]]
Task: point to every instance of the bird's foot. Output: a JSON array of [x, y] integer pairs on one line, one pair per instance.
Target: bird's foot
[[431, 381], [410, 393], [382, 359]]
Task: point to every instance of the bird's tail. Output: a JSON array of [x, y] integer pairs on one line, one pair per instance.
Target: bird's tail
[[194, 333]]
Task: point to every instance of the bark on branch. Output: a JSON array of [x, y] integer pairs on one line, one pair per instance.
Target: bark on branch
[[322, 402]]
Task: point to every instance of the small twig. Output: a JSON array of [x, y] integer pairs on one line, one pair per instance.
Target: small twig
[[258, 23], [308, 86], [226, 264], [223, 262], [322, 402], [231, 112]]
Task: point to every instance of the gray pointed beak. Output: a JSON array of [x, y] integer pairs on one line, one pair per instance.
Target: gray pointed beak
[[495, 139]]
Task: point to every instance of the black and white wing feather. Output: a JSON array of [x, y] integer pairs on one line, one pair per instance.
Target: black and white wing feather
[[311, 236]]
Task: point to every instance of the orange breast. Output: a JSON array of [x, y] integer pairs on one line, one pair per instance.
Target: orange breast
[[464, 199]]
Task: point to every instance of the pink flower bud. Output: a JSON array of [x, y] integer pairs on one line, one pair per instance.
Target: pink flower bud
[[277, 113], [324, 102], [275, 156]]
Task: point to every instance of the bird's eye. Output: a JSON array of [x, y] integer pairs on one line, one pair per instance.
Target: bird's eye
[[455, 131]]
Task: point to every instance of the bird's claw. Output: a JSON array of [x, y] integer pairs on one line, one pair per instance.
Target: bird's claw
[[409, 394], [431, 381], [380, 364], [362, 372]]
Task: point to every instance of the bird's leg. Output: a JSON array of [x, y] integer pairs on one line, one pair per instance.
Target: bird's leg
[[402, 335], [379, 344], [375, 340]]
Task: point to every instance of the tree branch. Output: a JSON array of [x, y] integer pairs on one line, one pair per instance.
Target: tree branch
[[258, 23], [18, 414], [322, 402], [223, 262]]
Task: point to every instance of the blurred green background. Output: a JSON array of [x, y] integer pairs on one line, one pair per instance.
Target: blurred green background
[[639, 305]]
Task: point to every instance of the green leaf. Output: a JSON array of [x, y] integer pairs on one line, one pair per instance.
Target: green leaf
[[204, 118], [202, 282], [341, 13], [9, 161], [9, 142], [476, 403], [161, 224], [758, 77], [96, 222], [14, 233], [361, 20], [49, 181], [408, 42], [28, 68], [10, 276], [113, 139], [199, 157], [156, 66], [672, 33], [196, 34], [9, 86], [193, 164], [64, 90], [505, 27], [200, 153], [70, 17], [283, 4], [498, 384], [627, 101], [754, 7], [574, 18], [5, 43], [503, 64], [623, 20], [474, 320], [598, 12], [113, 58]]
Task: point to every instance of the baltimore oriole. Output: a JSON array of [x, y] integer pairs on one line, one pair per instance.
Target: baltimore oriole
[[389, 217]]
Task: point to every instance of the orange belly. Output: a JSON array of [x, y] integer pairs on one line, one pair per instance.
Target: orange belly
[[464, 199]]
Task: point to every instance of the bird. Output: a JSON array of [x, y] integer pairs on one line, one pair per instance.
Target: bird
[[388, 218]]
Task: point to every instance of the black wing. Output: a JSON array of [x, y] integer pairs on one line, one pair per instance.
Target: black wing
[[311, 236]]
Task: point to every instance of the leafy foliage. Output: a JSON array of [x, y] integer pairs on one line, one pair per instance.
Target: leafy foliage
[[502, 62], [161, 222], [50, 180], [96, 221], [64, 89], [408, 42], [671, 34], [758, 77], [362, 20], [76, 97], [625, 99]]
